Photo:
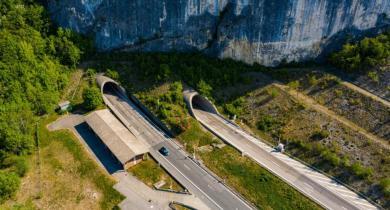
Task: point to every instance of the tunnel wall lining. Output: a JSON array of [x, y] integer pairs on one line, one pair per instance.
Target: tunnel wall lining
[[103, 80], [189, 96]]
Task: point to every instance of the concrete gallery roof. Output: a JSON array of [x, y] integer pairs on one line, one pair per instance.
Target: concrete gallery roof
[[123, 144]]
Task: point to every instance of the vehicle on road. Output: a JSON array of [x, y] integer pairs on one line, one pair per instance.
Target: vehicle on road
[[164, 151]]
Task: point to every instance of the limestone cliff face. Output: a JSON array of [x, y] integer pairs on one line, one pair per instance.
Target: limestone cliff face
[[263, 31]]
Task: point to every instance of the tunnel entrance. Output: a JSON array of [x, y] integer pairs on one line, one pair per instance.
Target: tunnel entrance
[[110, 88], [201, 103]]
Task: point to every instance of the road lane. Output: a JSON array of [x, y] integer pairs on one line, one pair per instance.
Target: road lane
[[186, 171], [255, 149]]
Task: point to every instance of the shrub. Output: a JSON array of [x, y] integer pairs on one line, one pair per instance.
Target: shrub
[[204, 88], [294, 84], [9, 184], [92, 98], [268, 123], [373, 76], [313, 81], [21, 166], [338, 93], [385, 186], [164, 72], [331, 157], [360, 170], [235, 108], [17, 164], [319, 134], [112, 74], [273, 92]]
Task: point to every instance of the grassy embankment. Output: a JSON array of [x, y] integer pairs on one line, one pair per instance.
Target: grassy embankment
[[62, 175], [150, 173]]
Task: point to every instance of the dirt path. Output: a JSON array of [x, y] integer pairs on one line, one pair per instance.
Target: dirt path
[[73, 85], [366, 93], [316, 106]]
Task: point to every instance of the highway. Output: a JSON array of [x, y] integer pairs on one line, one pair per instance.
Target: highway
[[186, 171], [311, 183]]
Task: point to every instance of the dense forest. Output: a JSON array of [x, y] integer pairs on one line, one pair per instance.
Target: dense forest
[[35, 61]]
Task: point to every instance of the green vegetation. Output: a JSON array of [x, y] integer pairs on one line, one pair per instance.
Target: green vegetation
[[167, 106], [361, 56], [112, 74], [150, 173], [36, 60], [385, 186], [92, 98], [204, 88], [361, 171], [192, 68], [234, 108], [268, 123], [9, 183]]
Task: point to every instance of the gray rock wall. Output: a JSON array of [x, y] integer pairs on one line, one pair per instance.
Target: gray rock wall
[[263, 31]]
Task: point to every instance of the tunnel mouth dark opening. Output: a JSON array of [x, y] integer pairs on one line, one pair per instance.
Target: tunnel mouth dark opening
[[110, 87], [201, 103]]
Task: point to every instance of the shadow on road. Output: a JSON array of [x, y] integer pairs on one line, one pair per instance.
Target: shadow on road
[[109, 161]]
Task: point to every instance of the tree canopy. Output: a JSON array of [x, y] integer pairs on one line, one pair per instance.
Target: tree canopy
[[92, 98], [35, 61], [363, 55]]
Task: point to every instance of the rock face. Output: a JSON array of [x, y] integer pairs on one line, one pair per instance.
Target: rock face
[[263, 31]]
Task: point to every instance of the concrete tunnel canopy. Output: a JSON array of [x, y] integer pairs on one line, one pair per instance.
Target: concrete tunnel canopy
[[196, 101], [104, 83]]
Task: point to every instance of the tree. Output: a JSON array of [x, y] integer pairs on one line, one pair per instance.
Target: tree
[[112, 74], [204, 88], [9, 184], [164, 72], [92, 98]]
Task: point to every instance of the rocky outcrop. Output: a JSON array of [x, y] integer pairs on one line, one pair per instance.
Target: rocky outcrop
[[263, 31]]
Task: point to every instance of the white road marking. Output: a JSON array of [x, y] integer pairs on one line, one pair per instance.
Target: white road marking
[[309, 186], [275, 163], [188, 168]]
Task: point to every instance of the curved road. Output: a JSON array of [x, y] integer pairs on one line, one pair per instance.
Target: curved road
[[191, 175], [261, 153]]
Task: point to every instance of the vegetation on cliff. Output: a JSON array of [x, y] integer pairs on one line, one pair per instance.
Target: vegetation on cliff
[[363, 55]]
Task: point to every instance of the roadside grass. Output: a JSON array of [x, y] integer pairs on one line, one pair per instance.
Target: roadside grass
[[180, 207], [255, 183], [149, 172], [63, 176], [85, 168]]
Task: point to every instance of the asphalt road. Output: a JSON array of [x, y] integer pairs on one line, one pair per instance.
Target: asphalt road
[[186, 171], [330, 199]]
